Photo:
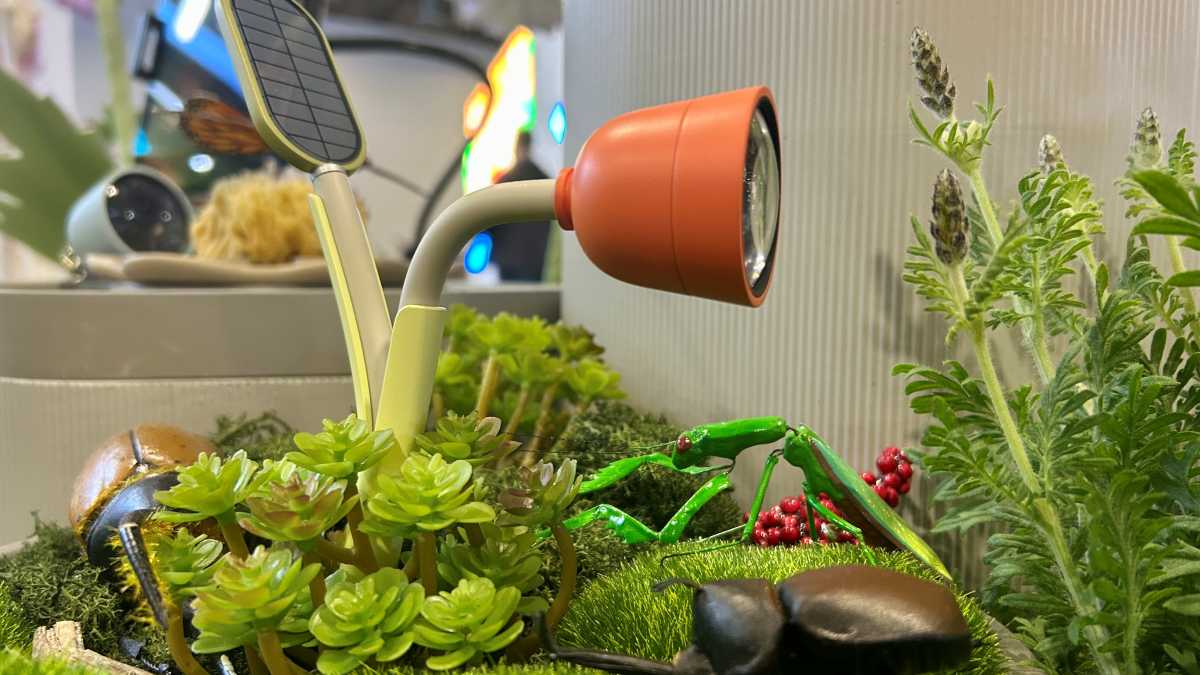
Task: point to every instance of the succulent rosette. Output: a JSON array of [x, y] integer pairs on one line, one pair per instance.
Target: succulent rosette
[[508, 556], [184, 562], [365, 618], [342, 449], [466, 437], [590, 379], [428, 494], [295, 504], [473, 619], [542, 496], [266, 591], [208, 488]]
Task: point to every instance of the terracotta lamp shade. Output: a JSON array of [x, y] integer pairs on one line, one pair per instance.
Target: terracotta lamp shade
[[682, 197]]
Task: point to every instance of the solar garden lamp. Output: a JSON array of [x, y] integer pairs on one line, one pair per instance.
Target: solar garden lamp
[[300, 108], [682, 197]]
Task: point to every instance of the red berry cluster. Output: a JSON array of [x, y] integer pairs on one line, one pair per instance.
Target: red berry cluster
[[895, 475], [786, 524]]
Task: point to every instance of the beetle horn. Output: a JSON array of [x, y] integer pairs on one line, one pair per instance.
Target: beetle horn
[[130, 533], [600, 660]]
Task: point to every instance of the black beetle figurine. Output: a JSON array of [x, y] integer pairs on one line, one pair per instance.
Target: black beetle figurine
[[850, 619]]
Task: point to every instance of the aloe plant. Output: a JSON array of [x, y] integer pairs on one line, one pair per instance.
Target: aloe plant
[[365, 618], [508, 556], [183, 563], [211, 488], [343, 450], [467, 437], [473, 619], [541, 500], [426, 496], [262, 599]]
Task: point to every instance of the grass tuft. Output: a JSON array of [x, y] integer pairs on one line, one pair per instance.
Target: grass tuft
[[619, 612], [15, 662]]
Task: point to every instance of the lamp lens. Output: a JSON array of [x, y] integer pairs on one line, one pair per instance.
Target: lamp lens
[[146, 215], [760, 203]]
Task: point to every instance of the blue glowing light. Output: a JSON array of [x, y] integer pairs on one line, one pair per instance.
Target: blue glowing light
[[201, 162], [558, 122], [141, 144], [479, 253]]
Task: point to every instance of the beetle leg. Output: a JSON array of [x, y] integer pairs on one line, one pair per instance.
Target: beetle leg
[[130, 533], [601, 660]]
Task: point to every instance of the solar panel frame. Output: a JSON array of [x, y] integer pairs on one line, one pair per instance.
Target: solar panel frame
[[293, 91]]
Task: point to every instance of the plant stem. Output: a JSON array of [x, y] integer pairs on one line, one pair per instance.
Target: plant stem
[[437, 407], [566, 584], [317, 586], [539, 428], [257, 667], [364, 553], [1185, 293], [234, 539], [334, 554], [412, 567], [474, 534], [1044, 513], [1041, 352], [514, 422], [427, 562], [272, 653], [108, 17], [985, 207], [178, 645], [487, 385]]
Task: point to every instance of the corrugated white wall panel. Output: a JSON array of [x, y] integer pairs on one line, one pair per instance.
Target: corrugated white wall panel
[[821, 348]]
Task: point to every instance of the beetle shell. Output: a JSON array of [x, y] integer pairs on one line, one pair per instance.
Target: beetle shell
[[870, 620], [145, 448]]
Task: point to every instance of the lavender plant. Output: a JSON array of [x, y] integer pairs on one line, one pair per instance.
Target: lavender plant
[[1090, 470]]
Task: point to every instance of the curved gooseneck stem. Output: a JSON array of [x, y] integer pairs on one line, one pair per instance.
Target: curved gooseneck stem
[[453, 229], [417, 332]]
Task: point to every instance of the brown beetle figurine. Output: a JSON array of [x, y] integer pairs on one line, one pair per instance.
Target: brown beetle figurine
[[838, 621], [114, 494]]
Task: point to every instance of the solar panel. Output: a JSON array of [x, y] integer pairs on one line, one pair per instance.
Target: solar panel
[[294, 95]]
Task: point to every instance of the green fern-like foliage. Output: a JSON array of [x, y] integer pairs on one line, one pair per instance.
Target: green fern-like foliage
[[619, 612]]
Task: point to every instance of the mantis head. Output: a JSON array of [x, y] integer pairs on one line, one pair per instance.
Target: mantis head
[[688, 448]]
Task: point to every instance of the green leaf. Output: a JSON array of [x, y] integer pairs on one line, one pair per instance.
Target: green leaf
[[451, 660], [56, 164], [1167, 191], [1169, 225], [1185, 279], [1188, 605], [337, 662]]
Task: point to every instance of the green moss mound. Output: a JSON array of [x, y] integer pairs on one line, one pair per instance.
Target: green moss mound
[[500, 669], [14, 662], [619, 612], [16, 630]]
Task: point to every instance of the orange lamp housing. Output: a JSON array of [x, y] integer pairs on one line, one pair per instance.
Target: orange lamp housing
[[682, 197]]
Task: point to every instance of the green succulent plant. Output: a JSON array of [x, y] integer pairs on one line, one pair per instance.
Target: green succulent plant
[[343, 448], [460, 327], [473, 619], [590, 379], [428, 494], [264, 592], [543, 495], [509, 557], [185, 562], [574, 342], [466, 437], [295, 504], [365, 618], [209, 488]]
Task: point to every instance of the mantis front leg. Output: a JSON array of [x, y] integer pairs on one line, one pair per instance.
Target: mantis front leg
[[622, 468], [633, 531]]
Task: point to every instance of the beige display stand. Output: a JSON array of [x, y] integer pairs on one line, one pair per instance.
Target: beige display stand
[[79, 365]]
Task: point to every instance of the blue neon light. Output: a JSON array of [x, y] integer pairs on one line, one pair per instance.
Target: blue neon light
[[141, 143], [557, 122], [207, 48], [479, 253]]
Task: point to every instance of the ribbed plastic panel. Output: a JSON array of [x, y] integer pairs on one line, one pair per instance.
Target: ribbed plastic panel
[[821, 348]]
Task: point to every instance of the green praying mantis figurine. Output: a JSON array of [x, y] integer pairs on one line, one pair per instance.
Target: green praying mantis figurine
[[867, 516]]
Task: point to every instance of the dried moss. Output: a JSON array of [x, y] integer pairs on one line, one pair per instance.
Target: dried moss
[[50, 580], [264, 436], [619, 612]]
